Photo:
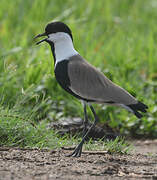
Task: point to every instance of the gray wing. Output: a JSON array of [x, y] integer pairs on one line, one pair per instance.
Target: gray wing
[[89, 83]]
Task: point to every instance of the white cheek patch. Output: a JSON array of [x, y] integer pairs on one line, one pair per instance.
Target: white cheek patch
[[51, 37], [55, 37], [63, 46]]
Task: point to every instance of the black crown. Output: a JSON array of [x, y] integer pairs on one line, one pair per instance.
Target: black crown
[[55, 27]]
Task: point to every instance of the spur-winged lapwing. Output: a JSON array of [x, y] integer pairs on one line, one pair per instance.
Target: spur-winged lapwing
[[82, 80]]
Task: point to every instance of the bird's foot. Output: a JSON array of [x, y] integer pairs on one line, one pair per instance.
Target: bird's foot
[[77, 152]]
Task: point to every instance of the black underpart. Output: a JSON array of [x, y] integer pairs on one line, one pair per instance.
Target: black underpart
[[138, 107]]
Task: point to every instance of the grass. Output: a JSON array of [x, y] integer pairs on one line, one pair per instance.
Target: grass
[[119, 145], [15, 131], [118, 37]]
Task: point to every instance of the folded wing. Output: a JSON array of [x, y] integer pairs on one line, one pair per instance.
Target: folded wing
[[89, 83]]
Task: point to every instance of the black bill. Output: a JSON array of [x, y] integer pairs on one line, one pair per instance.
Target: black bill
[[40, 35]]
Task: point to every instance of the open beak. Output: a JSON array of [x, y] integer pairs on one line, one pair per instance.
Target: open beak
[[40, 35]]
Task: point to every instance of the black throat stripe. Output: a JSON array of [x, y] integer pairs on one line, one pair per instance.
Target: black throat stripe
[[53, 51]]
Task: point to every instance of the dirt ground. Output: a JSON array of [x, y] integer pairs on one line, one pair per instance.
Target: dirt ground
[[45, 164]]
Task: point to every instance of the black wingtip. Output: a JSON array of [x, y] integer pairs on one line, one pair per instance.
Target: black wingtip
[[138, 107], [142, 106], [137, 114]]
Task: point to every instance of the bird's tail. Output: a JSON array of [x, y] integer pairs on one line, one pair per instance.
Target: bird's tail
[[138, 108]]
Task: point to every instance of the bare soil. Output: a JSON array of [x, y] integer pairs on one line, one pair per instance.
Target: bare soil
[[37, 164]]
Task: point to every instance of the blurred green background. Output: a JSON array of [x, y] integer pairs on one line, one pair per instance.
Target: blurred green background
[[119, 37]]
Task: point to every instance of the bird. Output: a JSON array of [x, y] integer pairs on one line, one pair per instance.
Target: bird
[[84, 81]]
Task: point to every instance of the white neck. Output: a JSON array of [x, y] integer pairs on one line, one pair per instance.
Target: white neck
[[63, 46]]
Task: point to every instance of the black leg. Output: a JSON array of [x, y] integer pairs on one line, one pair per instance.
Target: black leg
[[85, 122], [78, 150]]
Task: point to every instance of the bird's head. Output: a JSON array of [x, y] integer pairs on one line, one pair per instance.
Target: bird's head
[[55, 31]]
